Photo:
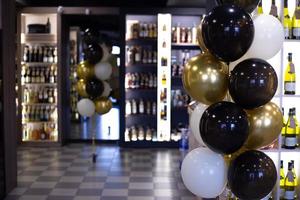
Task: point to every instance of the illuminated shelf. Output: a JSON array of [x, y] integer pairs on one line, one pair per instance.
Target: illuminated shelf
[[182, 46], [37, 64], [142, 41], [291, 40], [140, 115], [141, 90], [290, 96], [39, 84], [40, 122], [41, 38], [152, 144], [39, 104], [46, 141], [297, 150]]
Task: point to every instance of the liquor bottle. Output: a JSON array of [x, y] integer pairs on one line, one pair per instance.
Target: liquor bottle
[[282, 180], [154, 108], [273, 10], [134, 133], [134, 107], [174, 35], [142, 30], [194, 34], [48, 26], [149, 56], [283, 129], [154, 57], [148, 134], [259, 8], [164, 79], [25, 54], [178, 33], [141, 133], [45, 55], [189, 35], [55, 58], [289, 184], [50, 55], [162, 113], [290, 77], [141, 107], [154, 28], [150, 31], [294, 172], [164, 61], [287, 22], [148, 108], [40, 57], [291, 130], [145, 56], [138, 56], [296, 22]]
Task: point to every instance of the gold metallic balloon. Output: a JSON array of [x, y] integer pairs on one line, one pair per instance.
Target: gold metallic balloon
[[265, 125], [85, 70], [103, 105], [205, 78], [80, 87], [200, 38], [230, 157]]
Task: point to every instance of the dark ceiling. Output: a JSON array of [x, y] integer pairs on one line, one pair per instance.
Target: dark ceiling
[[113, 3]]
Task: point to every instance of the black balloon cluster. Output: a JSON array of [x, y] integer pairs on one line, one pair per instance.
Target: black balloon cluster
[[229, 128]]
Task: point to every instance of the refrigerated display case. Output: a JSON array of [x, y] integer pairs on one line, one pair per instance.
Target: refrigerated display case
[[157, 43]]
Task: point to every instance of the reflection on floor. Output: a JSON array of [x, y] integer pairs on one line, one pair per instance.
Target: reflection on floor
[[67, 173], [104, 127]]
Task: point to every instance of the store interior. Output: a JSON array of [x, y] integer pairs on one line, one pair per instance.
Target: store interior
[[151, 111]]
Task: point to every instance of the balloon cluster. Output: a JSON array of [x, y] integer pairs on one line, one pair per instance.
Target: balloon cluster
[[94, 74], [234, 115]]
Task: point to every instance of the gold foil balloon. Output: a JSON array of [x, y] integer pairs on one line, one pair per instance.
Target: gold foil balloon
[[103, 105], [230, 157], [265, 125], [85, 70], [80, 87], [200, 39], [205, 78]]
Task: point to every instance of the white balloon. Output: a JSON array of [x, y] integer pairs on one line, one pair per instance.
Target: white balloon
[[268, 38], [204, 173], [195, 121], [103, 70], [86, 107], [107, 89]]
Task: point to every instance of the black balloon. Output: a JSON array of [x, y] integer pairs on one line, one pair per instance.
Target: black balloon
[[228, 32], [253, 83], [94, 88], [91, 35], [224, 127], [252, 175], [247, 5], [93, 53]]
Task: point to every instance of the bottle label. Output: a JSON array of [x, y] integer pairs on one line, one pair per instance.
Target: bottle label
[[290, 141], [286, 32], [290, 86], [289, 195]]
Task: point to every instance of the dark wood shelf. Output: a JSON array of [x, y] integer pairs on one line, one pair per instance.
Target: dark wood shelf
[[142, 41], [185, 46], [139, 68]]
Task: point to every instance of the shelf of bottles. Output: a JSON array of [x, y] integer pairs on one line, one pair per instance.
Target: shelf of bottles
[[156, 51], [39, 78], [74, 96], [285, 151]]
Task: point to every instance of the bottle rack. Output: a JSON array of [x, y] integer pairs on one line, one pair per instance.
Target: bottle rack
[[178, 115], [38, 87]]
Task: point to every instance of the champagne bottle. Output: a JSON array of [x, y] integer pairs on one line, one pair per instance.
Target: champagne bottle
[[164, 79], [296, 22], [282, 179], [290, 77], [273, 10], [260, 8], [287, 22], [294, 172], [289, 183], [291, 131]]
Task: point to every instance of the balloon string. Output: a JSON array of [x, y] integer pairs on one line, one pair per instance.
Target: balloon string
[[228, 98]]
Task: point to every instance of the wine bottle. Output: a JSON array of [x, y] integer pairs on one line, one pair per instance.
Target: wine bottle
[[294, 172], [287, 22], [273, 10], [290, 77], [141, 107], [282, 179], [296, 22], [289, 184], [48, 26], [283, 129], [291, 131], [260, 8]]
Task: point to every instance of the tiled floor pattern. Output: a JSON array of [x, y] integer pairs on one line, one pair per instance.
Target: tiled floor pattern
[[67, 173]]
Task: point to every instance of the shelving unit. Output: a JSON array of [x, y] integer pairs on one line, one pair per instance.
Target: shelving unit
[[38, 79], [169, 51]]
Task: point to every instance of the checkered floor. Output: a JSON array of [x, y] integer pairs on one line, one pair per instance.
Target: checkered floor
[[68, 173]]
